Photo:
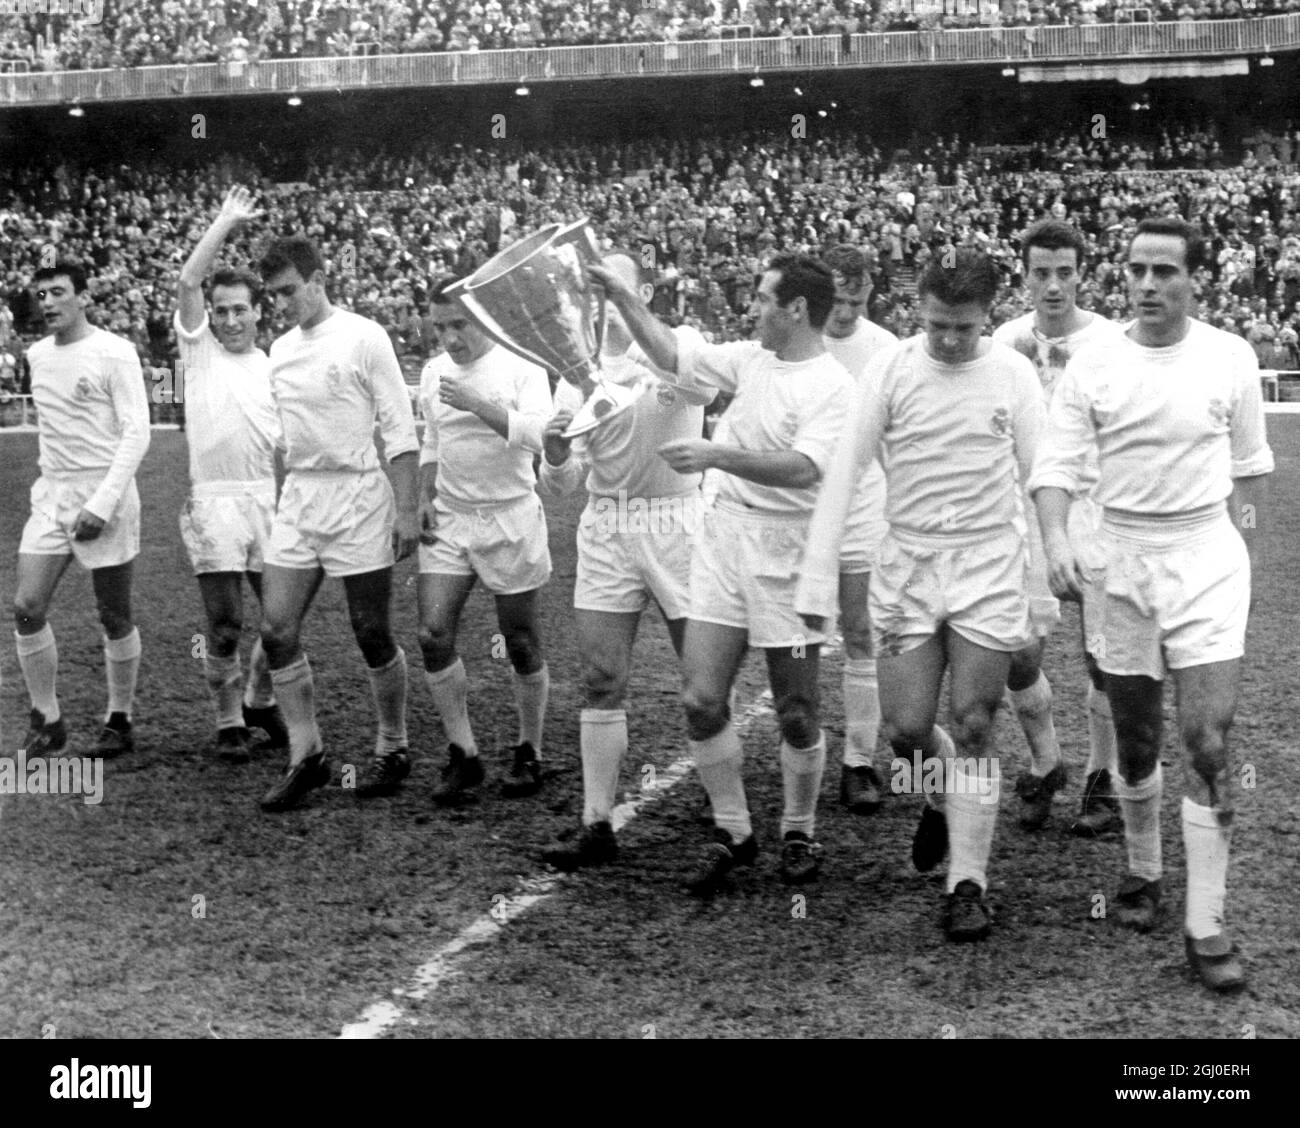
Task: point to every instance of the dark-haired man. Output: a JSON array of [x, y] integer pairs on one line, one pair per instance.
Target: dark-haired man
[[1174, 411], [234, 430], [853, 340], [1054, 331], [93, 419], [481, 519], [954, 418], [782, 428], [334, 375], [634, 548]]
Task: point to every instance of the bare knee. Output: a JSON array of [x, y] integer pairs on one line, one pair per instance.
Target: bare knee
[[905, 735], [437, 644], [1207, 748], [280, 640], [972, 727], [29, 613], [798, 721], [524, 648], [116, 621], [706, 712], [603, 684], [1025, 668], [223, 636], [374, 639]]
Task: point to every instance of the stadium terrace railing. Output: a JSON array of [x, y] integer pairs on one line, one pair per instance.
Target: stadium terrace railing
[[1008, 46]]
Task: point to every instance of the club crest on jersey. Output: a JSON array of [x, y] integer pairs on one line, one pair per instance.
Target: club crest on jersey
[[1001, 421], [1219, 412], [85, 389], [666, 395]]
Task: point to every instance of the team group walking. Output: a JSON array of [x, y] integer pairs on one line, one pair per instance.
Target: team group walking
[[936, 497]]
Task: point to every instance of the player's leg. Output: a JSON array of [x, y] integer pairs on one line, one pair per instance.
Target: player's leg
[[1030, 695], [517, 618], [112, 586], [223, 606], [442, 598], [792, 673], [1136, 705], [260, 710], [369, 596], [1206, 702], [38, 656], [605, 641], [711, 657], [1099, 811], [909, 703], [860, 783], [978, 678], [286, 595]]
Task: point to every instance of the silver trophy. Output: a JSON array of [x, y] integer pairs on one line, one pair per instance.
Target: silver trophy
[[535, 299]]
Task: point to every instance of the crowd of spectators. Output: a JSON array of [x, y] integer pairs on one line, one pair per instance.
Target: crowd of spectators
[[709, 210], [52, 35]]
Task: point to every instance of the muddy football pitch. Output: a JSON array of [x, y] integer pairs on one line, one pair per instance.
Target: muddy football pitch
[[175, 908]]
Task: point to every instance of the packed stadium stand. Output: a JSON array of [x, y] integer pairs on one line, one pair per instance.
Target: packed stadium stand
[[55, 35]]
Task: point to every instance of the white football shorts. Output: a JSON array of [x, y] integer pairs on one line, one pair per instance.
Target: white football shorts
[[226, 526], [56, 501]]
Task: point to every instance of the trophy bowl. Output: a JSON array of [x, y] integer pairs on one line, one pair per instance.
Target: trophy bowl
[[535, 299]]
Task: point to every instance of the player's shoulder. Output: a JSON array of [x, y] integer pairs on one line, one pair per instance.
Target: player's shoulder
[[876, 336], [42, 349], [111, 345], [1201, 336], [504, 360], [1005, 356], [1011, 331]]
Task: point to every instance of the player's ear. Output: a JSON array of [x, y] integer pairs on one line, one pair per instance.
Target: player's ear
[[646, 291]]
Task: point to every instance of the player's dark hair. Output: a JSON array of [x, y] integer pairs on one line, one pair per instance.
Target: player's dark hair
[[805, 277], [645, 272], [438, 293], [960, 275], [295, 251], [237, 276], [1055, 235], [849, 263], [1179, 228], [70, 269]]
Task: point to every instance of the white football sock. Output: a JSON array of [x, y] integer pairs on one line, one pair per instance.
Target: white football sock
[[225, 679], [38, 657], [719, 761], [603, 742], [122, 665], [388, 686], [1140, 805], [801, 780], [531, 692], [945, 749], [1206, 843], [259, 693], [1033, 707], [450, 689], [1103, 748], [972, 810], [861, 711], [295, 691]]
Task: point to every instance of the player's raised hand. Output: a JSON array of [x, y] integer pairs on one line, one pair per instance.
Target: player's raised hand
[[406, 534], [427, 522], [616, 289], [688, 456], [239, 206], [814, 622], [554, 444], [87, 526]]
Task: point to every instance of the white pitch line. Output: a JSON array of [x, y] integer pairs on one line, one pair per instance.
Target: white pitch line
[[531, 891]]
